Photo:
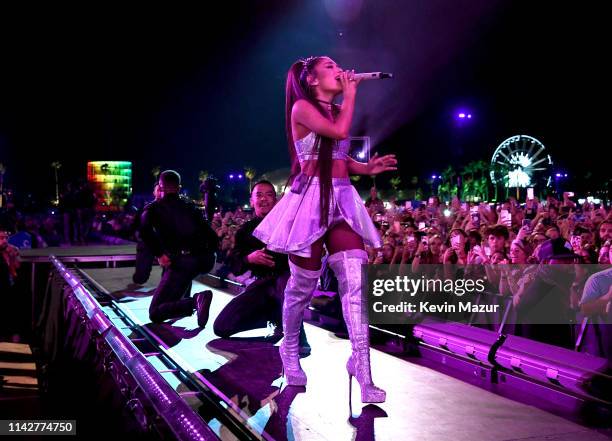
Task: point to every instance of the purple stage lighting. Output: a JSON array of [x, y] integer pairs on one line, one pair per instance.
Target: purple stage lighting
[[231, 176], [239, 176], [461, 115], [469, 115]]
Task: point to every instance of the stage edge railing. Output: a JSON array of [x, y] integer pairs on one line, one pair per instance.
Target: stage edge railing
[[179, 417]]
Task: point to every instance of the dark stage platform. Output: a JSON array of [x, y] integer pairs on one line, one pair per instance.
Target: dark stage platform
[[85, 253], [422, 403]]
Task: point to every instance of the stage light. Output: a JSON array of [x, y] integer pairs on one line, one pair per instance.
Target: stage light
[[231, 176], [361, 155], [239, 176], [463, 116], [447, 212]]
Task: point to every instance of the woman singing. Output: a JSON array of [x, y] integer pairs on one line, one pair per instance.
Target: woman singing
[[323, 208]]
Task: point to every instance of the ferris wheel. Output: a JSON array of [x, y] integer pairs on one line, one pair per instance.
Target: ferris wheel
[[521, 161]]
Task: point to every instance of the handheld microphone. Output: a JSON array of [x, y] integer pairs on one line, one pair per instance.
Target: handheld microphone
[[373, 76]]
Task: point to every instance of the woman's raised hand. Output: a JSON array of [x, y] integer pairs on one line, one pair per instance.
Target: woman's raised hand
[[381, 164]]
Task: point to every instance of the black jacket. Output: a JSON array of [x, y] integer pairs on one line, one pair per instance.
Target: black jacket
[[245, 244], [174, 224]]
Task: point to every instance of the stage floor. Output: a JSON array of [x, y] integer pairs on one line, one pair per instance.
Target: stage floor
[[421, 403]]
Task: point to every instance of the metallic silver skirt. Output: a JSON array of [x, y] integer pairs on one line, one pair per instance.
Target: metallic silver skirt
[[292, 225]]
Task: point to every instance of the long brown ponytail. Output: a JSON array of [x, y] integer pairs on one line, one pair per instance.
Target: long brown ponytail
[[297, 88]]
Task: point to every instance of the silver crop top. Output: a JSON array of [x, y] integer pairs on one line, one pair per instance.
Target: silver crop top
[[307, 150]]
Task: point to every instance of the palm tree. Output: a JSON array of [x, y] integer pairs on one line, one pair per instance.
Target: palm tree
[[155, 171], [395, 182], [482, 167], [480, 187], [467, 181], [447, 179], [56, 165], [203, 175], [250, 174], [2, 171]]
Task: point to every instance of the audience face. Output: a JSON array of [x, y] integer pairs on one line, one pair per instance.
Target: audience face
[[597, 218], [373, 194], [498, 258], [552, 233], [587, 237], [517, 255], [435, 245], [157, 193], [496, 243], [457, 240], [388, 252], [605, 232], [263, 199], [3, 240], [538, 238]]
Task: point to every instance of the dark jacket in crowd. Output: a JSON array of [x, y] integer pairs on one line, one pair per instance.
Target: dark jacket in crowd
[[174, 225], [245, 244]]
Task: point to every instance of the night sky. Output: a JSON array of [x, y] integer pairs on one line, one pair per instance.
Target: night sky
[[204, 90]]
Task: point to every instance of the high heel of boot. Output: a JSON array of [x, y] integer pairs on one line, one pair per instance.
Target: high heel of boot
[[347, 266], [370, 393]]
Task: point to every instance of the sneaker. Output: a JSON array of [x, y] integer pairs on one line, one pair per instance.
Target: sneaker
[[275, 332], [202, 304]]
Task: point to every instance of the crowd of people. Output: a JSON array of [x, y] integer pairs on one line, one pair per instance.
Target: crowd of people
[[413, 233], [469, 232], [510, 234], [73, 220]]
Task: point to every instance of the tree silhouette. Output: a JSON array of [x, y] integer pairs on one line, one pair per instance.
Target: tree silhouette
[[155, 171], [250, 174], [2, 172], [56, 165]]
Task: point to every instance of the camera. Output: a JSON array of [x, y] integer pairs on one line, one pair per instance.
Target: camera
[[526, 223]]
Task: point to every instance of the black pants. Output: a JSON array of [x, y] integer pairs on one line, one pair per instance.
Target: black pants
[[171, 298], [260, 302], [144, 263]]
